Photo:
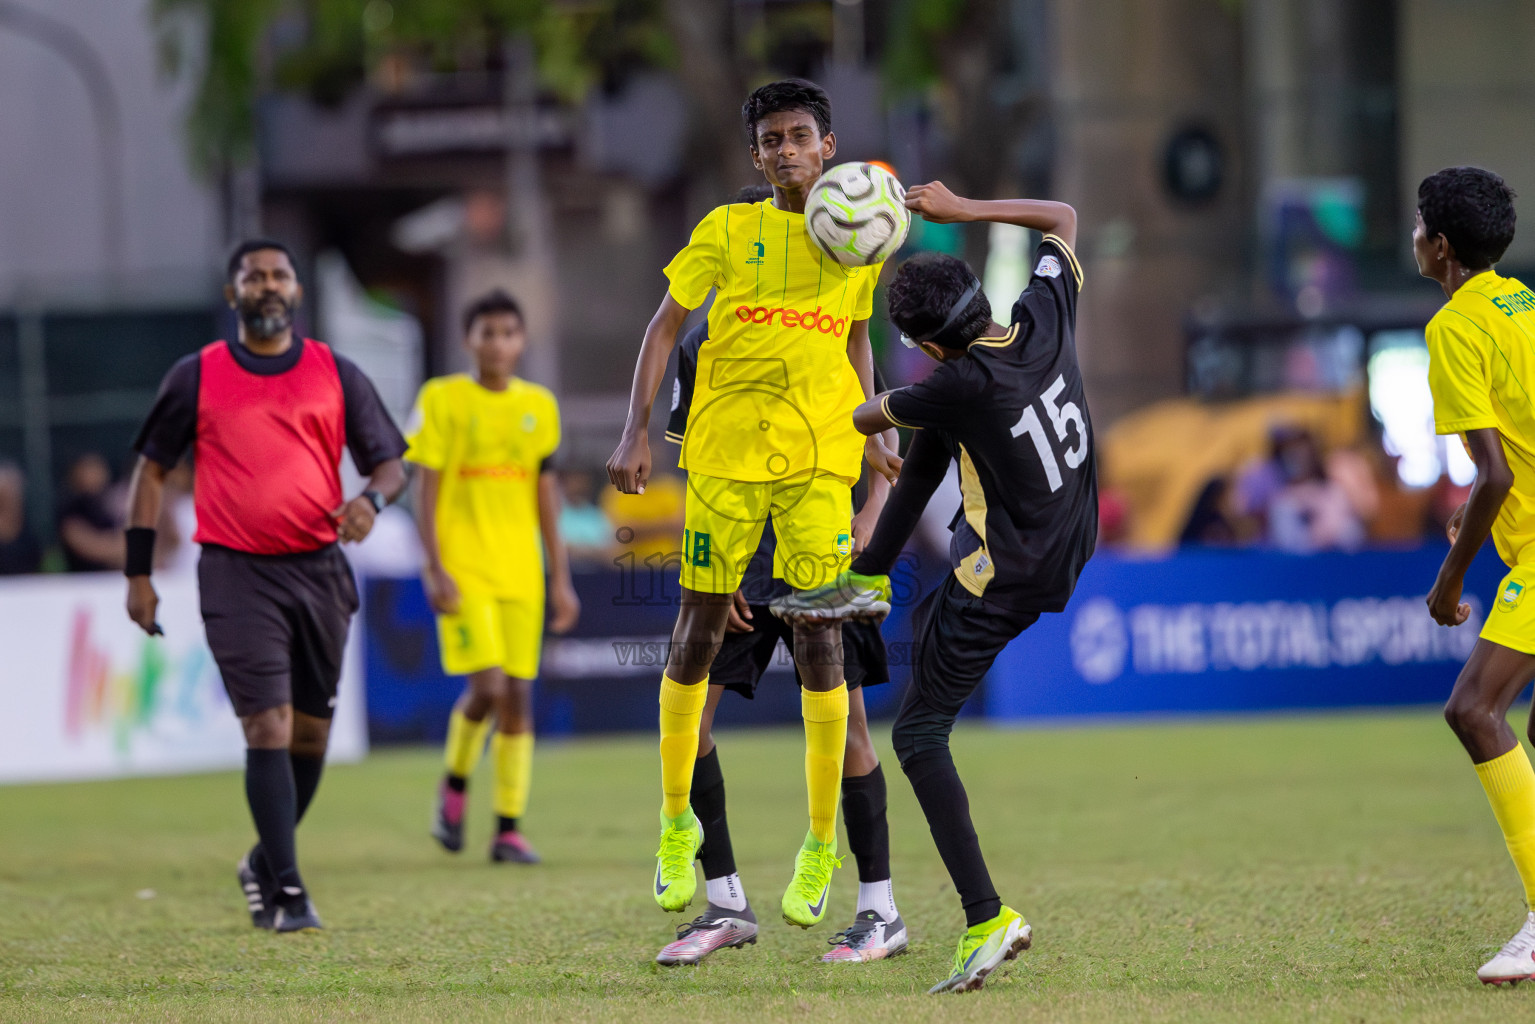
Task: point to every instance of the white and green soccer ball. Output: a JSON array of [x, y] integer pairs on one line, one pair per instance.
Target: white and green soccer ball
[[856, 214]]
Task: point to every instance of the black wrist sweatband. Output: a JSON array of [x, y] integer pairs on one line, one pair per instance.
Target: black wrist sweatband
[[141, 551]]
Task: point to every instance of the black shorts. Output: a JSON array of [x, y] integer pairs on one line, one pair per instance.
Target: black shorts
[[956, 637], [743, 657], [277, 625]]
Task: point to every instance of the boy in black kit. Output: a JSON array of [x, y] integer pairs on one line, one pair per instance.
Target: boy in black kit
[[1008, 404]]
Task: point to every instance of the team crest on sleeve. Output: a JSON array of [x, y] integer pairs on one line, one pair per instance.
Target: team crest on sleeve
[[1049, 266], [676, 393]]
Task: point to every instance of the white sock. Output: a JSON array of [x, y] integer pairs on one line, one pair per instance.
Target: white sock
[[878, 897], [726, 892]]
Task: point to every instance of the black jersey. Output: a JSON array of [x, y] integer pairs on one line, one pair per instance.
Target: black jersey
[[757, 583], [1013, 413]]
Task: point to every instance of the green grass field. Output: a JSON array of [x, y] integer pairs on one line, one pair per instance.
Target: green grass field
[[1333, 868]]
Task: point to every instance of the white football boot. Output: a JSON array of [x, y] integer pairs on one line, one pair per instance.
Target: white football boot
[[1515, 961]]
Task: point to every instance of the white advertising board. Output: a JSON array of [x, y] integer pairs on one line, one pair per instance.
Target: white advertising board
[[84, 694]]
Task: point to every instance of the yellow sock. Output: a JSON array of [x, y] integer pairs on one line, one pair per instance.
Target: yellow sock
[[682, 707], [513, 757], [825, 717], [1510, 785], [466, 742]]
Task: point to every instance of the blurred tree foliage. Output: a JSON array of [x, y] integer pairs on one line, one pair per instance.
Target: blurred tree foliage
[[968, 60], [978, 64], [233, 50]]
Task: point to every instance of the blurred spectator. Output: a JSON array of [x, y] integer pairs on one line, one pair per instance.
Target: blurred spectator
[[90, 521], [1209, 522], [1310, 512], [1261, 481], [1113, 515], [649, 524], [19, 550], [586, 528]]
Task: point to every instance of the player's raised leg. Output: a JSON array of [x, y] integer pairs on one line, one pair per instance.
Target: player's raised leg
[[468, 725], [511, 750], [1477, 711], [877, 930], [727, 921]]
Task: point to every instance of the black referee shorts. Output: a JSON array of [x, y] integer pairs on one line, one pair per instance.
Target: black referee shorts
[[277, 625], [743, 657], [956, 637]]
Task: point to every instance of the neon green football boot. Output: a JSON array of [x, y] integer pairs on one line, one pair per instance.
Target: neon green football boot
[[675, 879], [804, 902], [982, 949], [850, 596]]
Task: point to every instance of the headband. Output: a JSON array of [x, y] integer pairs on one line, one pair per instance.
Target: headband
[[955, 312]]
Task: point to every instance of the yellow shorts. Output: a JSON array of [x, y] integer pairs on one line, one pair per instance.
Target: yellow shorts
[[812, 520], [1511, 622], [487, 633]]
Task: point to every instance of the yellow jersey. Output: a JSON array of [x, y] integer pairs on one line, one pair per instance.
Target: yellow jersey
[[775, 393], [1481, 365], [490, 447]]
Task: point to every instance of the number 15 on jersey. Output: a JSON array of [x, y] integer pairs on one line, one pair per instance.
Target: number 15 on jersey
[[1062, 417]]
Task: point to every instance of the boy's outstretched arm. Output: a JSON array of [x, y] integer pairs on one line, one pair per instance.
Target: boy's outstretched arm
[[936, 203], [629, 467]]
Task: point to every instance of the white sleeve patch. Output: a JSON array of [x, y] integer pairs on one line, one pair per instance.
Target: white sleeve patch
[[676, 393], [1049, 266]]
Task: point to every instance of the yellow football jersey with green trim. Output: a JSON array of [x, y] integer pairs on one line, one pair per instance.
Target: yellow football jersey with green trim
[[775, 393], [1481, 368], [490, 447]]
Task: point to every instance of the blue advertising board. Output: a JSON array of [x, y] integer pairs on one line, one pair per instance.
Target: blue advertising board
[[1208, 631], [1199, 632]]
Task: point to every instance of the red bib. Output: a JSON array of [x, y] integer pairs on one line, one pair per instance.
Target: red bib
[[267, 453]]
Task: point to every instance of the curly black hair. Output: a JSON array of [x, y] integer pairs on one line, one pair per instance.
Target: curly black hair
[[1473, 209], [497, 301], [753, 193], [925, 289], [788, 94], [251, 245]]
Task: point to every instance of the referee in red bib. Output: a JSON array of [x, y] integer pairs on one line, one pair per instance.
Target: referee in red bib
[[266, 420]]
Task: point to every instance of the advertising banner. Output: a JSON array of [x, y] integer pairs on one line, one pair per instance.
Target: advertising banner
[[85, 694], [1233, 631]]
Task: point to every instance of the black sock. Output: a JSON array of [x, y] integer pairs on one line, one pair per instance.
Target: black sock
[[306, 779], [868, 830], [505, 824], [457, 783], [947, 810], [270, 792], [708, 799]]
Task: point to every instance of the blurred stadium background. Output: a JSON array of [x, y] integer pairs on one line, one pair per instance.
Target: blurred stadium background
[[1251, 324]]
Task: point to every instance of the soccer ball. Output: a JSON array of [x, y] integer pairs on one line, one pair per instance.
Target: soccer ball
[[856, 214]]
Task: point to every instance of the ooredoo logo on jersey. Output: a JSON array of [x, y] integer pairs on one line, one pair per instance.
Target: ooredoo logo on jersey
[[808, 321]]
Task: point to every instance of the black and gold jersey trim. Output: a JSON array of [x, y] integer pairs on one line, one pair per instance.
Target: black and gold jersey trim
[[1071, 256]]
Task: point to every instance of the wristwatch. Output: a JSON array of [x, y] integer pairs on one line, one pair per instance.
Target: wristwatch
[[377, 499]]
